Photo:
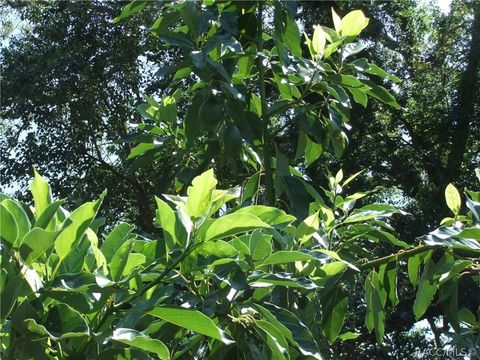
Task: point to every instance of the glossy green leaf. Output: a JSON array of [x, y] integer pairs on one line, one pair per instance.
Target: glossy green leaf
[[20, 216], [268, 214], [292, 36], [268, 316], [141, 341], [47, 215], [427, 287], [308, 227], [302, 336], [348, 336], [79, 221], [192, 320], [141, 149], [273, 338], [165, 216], [36, 243], [413, 267], [9, 295], [134, 260], [284, 257], [449, 236], [115, 239], [313, 151], [8, 226], [62, 322], [232, 224], [132, 8], [375, 315], [382, 94], [282, 279], [388, 278], [334, 311], [120, 259]]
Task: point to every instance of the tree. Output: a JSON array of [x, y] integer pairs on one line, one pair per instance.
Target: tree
[[421, 148], [68, 96]]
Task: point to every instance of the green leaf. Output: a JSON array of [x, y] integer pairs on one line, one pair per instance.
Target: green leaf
[[259, 245], [115, 239], [453, 199], [36, 243], [8, 226], [467, 317], [348, 336], [282, 279], [268, 316], [337, 22], [219, 249], [268, 214], [414, 263], [79, 282], [469, 233], [283, 257], [375, 315], [382, 94], [312, 151], [232, 224], [62, 322], [353, 23], [273, 338], [450, 236], [388, 277], [427, 288], [120, 259], [9, 295], [20, 216], [168, 111], [141, 341], [302, 336], [79, 221], [292, 36], [141, 149], [308, 227], [200, 194], [132, 8], [44, 219], [192, 320], [41, 193], [165, 216], [134, 260], [334, 310]]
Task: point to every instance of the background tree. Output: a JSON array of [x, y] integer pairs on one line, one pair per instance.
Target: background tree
[[70, 87]]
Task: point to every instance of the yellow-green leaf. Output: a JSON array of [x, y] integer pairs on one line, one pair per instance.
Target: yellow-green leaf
[[200, 194], [454, 201], [319, 40], [41, 193], [353, 23]]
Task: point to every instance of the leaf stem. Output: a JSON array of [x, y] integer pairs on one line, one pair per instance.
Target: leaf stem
[[402, 254]]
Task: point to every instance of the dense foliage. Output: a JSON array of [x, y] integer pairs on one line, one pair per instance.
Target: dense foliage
[[278, 267]]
